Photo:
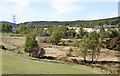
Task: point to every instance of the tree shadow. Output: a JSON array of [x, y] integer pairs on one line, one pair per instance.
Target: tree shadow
[[95, 62]]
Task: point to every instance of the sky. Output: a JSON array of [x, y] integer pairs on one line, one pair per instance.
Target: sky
[[57, 10]]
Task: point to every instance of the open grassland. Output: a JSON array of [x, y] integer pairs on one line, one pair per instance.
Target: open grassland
[[13, 64], [14, 44]]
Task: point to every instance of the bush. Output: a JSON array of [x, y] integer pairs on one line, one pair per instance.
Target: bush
[[75, 44], [56, 36], [112, 33], [49, 40], [63, 42], [6, 28], [76, 36], [58, 33], [71, 33], [30, 41], [81, 32], [83, 50], [69, 52], [23, 29], [42, 40], [113, 43]]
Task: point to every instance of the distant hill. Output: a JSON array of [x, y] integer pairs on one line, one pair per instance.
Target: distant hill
[[7, 22], [86, 23], [80, 22], [13, 24]]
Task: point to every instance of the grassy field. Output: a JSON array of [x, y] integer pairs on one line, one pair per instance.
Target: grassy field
[[20, 63], [13, 64]]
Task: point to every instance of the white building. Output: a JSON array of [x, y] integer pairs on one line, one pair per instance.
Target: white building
[[85, 29], [90, 29], [74, 28]]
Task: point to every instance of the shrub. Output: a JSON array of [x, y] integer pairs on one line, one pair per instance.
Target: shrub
[[75, 44], [113, 43], [81, 32], [30, 41], [23, 29], [63, 42], [55, 37], [42, 40], [6, 28], [49, 40], [69, 52], [76, 36], [71, 33], [112, 33], [58, 33], [93, 44], [83, 49]]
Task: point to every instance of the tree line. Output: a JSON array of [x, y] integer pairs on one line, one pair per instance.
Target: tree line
[[84, 23], [5, 28]]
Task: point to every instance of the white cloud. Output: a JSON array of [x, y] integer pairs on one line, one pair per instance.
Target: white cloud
[[15, 5], [20, 5], [19, 8], [65, 6], [24, 12]]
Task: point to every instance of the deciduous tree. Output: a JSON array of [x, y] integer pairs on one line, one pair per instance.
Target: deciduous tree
[[93, 44], [83, 49]]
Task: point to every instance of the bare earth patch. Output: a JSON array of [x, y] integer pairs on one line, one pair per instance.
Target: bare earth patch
[[16, 44]]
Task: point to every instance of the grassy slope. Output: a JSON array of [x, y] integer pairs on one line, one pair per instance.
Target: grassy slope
[[13, 64]]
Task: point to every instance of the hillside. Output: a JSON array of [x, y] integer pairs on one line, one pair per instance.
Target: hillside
[[77, 23], [109, 21], [12, 62], [6, 22]]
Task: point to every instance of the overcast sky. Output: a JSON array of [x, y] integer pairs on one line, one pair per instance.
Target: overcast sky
[[57, 10]]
